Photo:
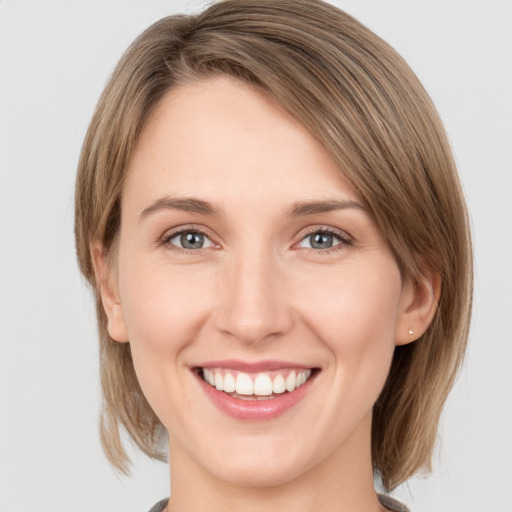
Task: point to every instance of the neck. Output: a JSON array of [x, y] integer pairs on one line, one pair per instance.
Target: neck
[[341, 483]]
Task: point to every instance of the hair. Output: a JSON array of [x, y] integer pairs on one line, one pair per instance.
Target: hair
[[364, 104]]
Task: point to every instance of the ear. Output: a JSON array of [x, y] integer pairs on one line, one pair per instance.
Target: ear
[[418, 305], [108, 290]]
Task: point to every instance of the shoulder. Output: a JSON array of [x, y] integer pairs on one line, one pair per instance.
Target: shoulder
[[391, 504], [158, 507]]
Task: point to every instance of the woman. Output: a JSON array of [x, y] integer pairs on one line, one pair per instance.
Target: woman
[[271, 220]]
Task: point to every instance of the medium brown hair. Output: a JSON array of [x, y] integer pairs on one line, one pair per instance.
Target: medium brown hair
[[359, 98]]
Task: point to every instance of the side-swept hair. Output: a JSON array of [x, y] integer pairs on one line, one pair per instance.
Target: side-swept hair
[[362, 102]]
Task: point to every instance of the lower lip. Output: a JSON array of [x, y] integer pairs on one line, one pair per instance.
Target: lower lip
[[255, 410]]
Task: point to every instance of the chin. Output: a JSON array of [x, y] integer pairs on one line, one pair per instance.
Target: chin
[[261, 466], [271, 473]]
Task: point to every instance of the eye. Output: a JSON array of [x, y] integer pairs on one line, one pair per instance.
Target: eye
[[189, 240], [323, 239]]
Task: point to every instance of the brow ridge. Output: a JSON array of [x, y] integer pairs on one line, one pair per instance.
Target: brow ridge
[[312, 207], [187, 204], [298, 209]]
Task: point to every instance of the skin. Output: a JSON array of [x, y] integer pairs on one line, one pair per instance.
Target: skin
[[256, 290]]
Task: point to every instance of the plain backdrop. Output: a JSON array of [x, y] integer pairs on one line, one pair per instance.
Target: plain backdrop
[[55, 57]]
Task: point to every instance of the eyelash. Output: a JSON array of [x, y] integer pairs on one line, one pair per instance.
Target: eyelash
[[343, 238], [166, 239]]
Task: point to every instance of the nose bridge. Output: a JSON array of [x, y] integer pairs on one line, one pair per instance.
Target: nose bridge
[[254, 305]]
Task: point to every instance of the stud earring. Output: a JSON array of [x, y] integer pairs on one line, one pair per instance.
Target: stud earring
[[410, 332]]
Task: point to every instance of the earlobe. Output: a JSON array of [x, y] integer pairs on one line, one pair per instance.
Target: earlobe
[[107, 288], [418, 305]]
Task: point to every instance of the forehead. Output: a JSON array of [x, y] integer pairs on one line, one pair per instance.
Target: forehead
[[225, 141]]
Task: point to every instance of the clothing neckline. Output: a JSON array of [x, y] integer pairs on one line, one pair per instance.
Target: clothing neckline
[[390, 503]]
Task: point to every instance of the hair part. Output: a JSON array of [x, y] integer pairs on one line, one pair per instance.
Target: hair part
[[359, 98]]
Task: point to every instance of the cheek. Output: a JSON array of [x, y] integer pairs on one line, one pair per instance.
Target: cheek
[[354, 317], [354, 313], [162, 302], [164, 310]]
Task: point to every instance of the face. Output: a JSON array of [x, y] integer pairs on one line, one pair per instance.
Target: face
[[246, 259]]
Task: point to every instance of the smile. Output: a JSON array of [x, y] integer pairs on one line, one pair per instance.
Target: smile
[[263, 385], [255, 392]]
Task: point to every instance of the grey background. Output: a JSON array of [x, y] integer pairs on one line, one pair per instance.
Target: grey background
[[54, 60]]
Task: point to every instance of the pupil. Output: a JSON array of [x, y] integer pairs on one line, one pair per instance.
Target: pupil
[[192, 240], [321, 241]]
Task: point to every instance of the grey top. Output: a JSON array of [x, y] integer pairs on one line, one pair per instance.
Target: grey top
[[389, 502], [158, 507], [392, 504]]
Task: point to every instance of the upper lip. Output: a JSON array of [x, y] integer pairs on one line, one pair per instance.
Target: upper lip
[[253, 367]]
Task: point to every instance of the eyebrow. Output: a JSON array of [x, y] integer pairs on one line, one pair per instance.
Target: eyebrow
[[186, 204], [311, 207], [299, 209]]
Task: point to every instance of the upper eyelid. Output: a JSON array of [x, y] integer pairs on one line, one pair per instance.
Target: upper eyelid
[[202, 229], [169, 233], [320, 228]]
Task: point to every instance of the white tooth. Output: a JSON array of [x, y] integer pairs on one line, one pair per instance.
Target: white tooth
[[211, 377], [219, 381], [308, 374], [262, 385], [278, 385], [291, 381], [206, 375], [302, 378], [244, 384], [229, 383]]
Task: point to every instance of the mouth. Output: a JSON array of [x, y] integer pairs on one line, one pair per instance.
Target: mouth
[[255, 395]]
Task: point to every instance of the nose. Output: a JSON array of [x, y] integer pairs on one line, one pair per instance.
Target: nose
[[254, 303]]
